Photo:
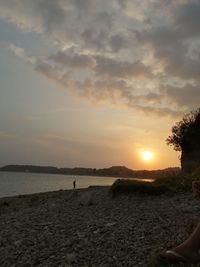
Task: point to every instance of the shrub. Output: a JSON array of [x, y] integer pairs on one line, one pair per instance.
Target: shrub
[[179, 183], [128, 186]]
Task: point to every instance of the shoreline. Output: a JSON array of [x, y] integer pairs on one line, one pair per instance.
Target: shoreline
[[54, 192], [86, 227], [23, 185]]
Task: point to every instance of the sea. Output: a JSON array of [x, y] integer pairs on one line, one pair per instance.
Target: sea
[[21, 183]]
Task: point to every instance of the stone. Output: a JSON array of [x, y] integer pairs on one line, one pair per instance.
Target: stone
[[18, 243], [71, 257], [86, 199], [110, 224]]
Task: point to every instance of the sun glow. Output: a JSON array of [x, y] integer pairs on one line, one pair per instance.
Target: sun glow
[[147, 155]]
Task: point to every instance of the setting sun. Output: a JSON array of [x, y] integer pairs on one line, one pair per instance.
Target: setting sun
[[147, 155]]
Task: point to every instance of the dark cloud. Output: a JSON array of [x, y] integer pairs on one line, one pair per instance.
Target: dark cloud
[[47, 15], [118, 42], [165, 43], [96, 40], [187, 96], [113, 68], [52, 13], [47, 70], [185, 68], [83, 5], [97, 32], [73, 60], [187, 18], [100, 65], [122, 3], [172, 44], [173, 54]]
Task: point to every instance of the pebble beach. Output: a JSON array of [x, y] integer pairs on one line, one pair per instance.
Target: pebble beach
[[87, 227]]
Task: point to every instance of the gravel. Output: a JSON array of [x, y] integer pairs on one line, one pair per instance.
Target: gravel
[[86, 227]]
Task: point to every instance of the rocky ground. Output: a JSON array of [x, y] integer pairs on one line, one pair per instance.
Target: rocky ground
[[87, 227]]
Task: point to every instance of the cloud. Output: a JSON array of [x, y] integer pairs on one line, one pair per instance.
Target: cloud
[[100, 65], [142, 54], [187, 96], [20, 52], [47, 70], [187, 18], [73, 60], [34, 15], [175, 47], [118, 42], [115, 91], [112, 68], [83, 5]]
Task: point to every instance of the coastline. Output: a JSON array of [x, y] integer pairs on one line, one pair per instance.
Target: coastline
[[51, 193], [86, 227]]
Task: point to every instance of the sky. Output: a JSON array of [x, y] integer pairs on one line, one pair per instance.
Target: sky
[[93, 83]]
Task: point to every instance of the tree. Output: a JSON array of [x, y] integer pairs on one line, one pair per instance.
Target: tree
[[185, 138]]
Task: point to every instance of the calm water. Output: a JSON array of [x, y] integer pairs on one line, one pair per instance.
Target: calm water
[[16, 183]]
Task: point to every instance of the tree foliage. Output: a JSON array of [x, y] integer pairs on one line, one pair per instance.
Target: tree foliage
[[186, 133]]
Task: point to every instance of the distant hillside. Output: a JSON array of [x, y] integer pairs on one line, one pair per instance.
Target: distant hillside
[[114, 171]]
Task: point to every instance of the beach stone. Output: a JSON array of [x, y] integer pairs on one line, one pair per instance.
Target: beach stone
[[71, 257], [110, 224], [68, 242], [81, 234], [72, 195], [86, 199], [18, 243]]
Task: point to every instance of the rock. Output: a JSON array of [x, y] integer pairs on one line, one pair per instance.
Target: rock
[[43, 224], [71, 257], [72, 195], [86, 199], [18, 243], [110, 224], [81, 234], [69, 242]]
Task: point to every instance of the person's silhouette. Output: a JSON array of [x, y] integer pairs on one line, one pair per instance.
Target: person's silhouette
[[74, 184]]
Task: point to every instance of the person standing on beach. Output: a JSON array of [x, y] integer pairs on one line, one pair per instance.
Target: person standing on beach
[[74, 184]]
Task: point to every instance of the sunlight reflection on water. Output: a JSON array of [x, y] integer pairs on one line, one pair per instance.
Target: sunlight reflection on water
[[144, 180]]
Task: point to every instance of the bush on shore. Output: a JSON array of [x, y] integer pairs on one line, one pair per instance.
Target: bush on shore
[[172, 185], [128, 186], [179, 183]]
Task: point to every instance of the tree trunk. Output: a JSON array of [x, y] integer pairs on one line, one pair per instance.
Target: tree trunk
[[190, 161]]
